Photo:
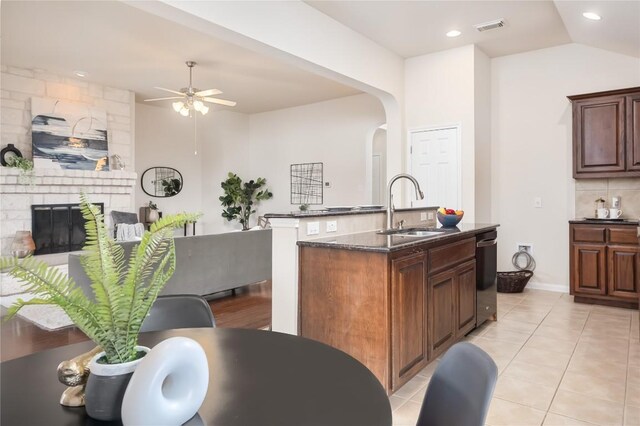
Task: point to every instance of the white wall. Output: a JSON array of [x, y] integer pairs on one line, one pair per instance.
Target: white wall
[[165, 138], [439, 91], [531, 137], [482, 141], [334, 132]]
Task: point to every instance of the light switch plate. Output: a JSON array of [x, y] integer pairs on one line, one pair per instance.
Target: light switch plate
[[313, 228], [332, 226], [430, 215], [423, 216]]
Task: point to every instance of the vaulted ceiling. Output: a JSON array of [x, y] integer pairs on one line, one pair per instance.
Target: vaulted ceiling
[[412, 28]]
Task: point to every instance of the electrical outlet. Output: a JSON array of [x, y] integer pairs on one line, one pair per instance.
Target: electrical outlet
[[332, 226], [423, 216], [431, 216], [537, 202], [313, 228], [528, 247]]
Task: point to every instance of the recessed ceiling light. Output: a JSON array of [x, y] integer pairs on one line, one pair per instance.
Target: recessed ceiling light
[[453, 33], [82, 74], [591, 15]]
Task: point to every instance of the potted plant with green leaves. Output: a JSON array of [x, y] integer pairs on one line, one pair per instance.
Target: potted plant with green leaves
[[124, 291], [240, 198], [24, 165], [153, 215]]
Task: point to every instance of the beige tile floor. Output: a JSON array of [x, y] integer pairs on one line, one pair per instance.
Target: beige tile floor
[[559, 362]]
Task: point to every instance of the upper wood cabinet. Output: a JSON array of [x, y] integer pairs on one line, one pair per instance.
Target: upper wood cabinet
[[606, 134]]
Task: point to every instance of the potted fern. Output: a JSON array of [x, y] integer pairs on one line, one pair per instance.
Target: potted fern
[[124, 292]]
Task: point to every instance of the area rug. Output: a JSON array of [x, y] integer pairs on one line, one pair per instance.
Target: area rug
[[9, 285], [47, 317]]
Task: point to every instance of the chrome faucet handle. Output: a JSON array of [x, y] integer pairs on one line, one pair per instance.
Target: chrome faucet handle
[[401, 224]]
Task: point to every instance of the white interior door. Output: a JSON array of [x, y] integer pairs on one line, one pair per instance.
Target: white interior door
[[376, 179], [435, 164]]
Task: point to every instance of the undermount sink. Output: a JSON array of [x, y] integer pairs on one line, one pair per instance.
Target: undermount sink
[[418, 233], [411, 232]]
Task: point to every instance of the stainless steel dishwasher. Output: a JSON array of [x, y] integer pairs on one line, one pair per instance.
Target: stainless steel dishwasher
[[486, 276]]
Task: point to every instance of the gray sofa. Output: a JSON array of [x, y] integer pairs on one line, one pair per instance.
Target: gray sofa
[[206, 264]]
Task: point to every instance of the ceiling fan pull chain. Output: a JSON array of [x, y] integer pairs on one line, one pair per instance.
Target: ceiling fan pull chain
[[195, 137]]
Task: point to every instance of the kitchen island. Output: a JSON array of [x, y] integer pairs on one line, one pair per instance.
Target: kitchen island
[[394, 302]]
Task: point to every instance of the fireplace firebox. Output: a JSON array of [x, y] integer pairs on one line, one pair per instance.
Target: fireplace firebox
[[58, 228]]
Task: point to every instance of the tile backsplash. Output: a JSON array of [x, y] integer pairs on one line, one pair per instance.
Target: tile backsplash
[[588, 190]]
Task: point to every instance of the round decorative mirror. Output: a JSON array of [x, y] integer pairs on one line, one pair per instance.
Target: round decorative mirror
[[161, 182]]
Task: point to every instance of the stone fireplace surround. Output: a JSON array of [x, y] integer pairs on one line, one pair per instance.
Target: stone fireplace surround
[[116, 189]]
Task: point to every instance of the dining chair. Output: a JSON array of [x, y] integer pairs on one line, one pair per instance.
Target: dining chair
[[460, 389], [178, 311]]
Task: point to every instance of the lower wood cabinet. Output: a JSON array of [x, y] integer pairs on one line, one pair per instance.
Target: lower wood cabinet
[[393, 311], [409, 317], [624, 272], [589, 269], [442, 300], [466, 298], [605, 264]]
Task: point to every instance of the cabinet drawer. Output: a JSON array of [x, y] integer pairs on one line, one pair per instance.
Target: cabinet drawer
[[623, 235], [451, 254], [589, 234]]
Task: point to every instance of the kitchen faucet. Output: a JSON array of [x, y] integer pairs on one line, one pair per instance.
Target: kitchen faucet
[[390, 206]]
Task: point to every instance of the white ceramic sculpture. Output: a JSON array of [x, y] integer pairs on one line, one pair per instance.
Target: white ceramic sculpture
[[168, 386]]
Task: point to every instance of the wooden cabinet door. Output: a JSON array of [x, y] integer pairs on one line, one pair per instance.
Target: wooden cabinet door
[[466, 298], [409, 317], [598, 132], [623, 264], [588, 269], [442, 315], [633, 132]]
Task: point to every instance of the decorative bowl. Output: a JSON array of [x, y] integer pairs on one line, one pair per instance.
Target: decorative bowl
[[449, 220]]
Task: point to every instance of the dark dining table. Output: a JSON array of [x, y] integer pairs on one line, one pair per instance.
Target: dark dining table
[[256, 377]]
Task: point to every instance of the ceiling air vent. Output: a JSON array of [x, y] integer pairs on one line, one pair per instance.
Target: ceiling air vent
[[498, 23]]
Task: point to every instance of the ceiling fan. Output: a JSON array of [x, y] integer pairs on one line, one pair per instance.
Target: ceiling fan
[[192, 98]]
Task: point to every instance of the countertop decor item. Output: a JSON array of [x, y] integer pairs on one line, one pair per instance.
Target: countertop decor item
[[168, 386], [123, 291], [240, 198], [449, 218], [8, 152], [23, 244], [74, 373], [153, 214]]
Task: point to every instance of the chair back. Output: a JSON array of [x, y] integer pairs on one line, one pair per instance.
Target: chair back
[[461, 388], [178, 311]]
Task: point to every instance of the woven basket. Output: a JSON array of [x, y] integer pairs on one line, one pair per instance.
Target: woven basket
[[513, 282]]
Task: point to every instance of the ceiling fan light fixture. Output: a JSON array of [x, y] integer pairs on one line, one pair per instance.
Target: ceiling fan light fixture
[[204, 109], [198, 105], [177, 106], [184, 112]]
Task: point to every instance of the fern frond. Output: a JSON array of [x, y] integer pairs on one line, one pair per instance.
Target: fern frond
[[123, 296]]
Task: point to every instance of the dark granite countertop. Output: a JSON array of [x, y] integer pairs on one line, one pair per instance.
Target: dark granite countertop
[[373, 241], [324, 212], [588, 221]]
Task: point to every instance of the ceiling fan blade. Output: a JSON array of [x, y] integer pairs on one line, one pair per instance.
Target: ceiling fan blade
[[163, 99], [169, 90], [208, 92], [219, 101]]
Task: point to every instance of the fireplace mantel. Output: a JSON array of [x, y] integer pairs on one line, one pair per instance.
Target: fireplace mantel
[[116, 189], [54, 181]]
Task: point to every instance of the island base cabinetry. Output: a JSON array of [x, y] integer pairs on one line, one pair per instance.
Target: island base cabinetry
[[394, 312]]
